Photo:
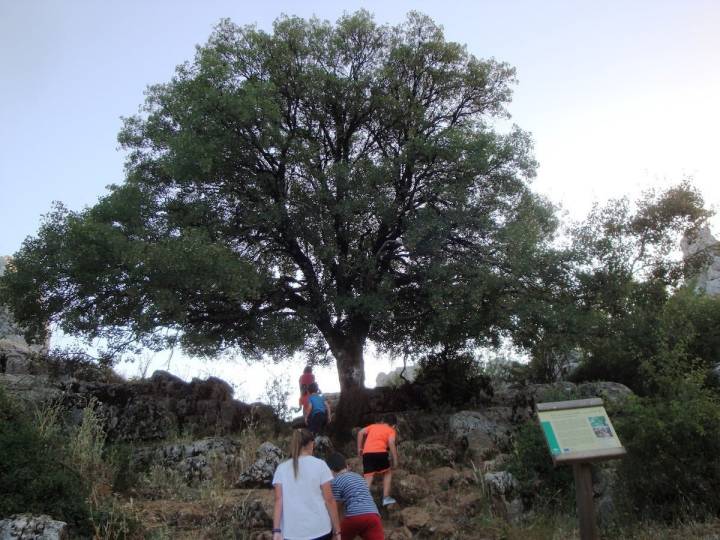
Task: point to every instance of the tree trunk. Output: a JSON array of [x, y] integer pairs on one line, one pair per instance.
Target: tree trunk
[[353, 403]]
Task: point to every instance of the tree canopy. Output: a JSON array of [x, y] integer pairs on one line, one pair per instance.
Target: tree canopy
[[313, 187]]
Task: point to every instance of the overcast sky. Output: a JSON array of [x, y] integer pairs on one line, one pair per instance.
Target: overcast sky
[[619, 96]]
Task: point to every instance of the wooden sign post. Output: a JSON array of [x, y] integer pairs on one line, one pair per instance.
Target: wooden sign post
[[579, 432]]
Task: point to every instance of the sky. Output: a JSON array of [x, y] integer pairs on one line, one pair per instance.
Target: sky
[[619, 97]]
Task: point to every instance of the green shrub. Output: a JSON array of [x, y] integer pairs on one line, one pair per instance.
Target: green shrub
[[672, 470], [541, 483], [33, 474], [453, 378]]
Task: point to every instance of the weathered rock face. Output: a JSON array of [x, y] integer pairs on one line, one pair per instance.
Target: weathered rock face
[[160, 407], [9, 330], [29, 527], [261, 472], [195, 461], [409, 488], [396, 377], [708, 278]]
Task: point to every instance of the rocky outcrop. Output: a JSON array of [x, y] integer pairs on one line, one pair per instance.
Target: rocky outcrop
[[396, 377], [29, 527], [9, 330], [161, 407], [195, 461], [261, 472], [704, 245]]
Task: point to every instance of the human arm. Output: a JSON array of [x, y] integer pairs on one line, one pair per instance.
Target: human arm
[[393, 451], [360, 438], [277, 512], [331, 508], [307, 410]]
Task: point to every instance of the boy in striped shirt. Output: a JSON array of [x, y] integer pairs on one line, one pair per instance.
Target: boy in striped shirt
[[361, 517]]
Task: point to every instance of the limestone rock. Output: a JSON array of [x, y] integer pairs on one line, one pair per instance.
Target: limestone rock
[[400, 533], [611, 393], [415, 518], [29, 527], [434, 454], [703, 243], [323, 446], [17, 358], [502, 484], [33, 389], [470, 503], [480, 433], [410, 488], [442, 478], [442, 528], [261, 472], [195, 461], [394, 379], [9, 330]]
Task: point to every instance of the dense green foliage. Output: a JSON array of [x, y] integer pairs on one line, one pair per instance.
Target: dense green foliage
[[313, 187], [541, 483], [672, 470], [34, 476], [453, 378], [617, 309]]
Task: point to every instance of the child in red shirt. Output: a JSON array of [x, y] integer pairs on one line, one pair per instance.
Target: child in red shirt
[[306, 379], [378, 439]]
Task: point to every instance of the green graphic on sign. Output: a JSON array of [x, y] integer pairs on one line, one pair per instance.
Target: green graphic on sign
[[551, 439]]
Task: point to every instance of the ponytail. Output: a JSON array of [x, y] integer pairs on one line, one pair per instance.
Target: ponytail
[[300, 439]]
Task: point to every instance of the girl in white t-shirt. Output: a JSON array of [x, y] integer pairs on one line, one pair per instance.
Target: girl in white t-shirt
[[305, 508]]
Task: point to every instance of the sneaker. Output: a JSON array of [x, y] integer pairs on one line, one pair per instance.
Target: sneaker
[[387, 501]]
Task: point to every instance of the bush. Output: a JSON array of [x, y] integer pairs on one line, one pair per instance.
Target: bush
[[453, 378], [541, 483], [672, 470], [33, 474]]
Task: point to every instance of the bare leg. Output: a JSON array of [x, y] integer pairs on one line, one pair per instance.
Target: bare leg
[[369, 479], [387, 479]]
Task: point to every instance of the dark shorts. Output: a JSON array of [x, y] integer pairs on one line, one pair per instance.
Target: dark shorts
[[376, 463], [317, 422]]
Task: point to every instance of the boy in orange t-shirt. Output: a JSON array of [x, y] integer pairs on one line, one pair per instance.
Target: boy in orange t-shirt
[[379, 438]]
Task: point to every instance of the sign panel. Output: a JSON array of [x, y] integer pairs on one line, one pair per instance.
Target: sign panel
[[578, 430]]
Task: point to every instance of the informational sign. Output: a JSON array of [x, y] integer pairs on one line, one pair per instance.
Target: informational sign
[[578, 430]]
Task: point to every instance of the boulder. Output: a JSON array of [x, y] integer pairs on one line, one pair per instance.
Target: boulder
[[442, 478], [396, 377], [480, 434], [399, 533], [16, 358], [30, 527], [323, 446], [470, 504], [261, 472], [503, 491], [502, 484], [434, 454], [410, 488], [611, 393], [415, 518], [704, 245]]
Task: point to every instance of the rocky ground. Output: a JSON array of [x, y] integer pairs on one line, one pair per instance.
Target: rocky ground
[[191, 462]]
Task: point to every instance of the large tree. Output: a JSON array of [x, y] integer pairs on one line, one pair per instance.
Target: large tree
[[317, 186]]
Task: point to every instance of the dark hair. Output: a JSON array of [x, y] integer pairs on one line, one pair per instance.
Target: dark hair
[[313, 388], [300, 439], [336, 462], [308, 369], [389, 419]]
